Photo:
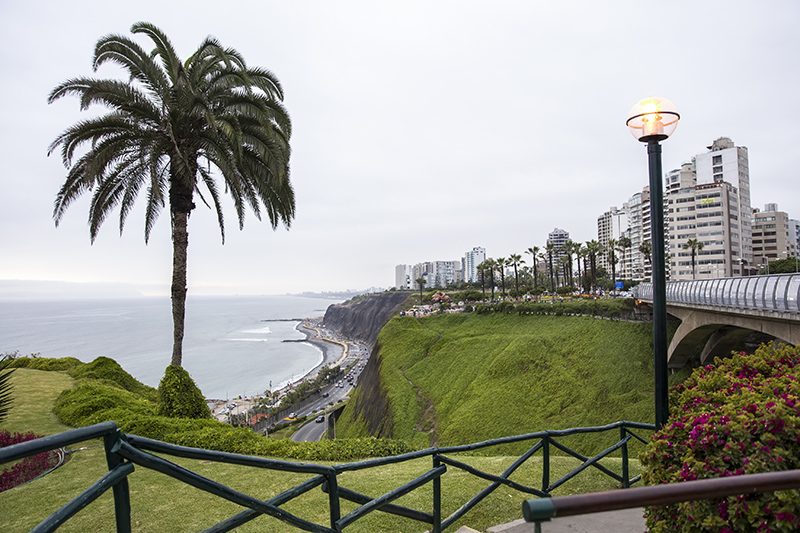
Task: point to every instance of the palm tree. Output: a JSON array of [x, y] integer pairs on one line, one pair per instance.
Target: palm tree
[[622, 245], [421, 282], [569, 249], [534, 251], [564, 264], [515, 260], [594, 248], [582, 253], [647, 251], [695, 246], [550, 249], [612, 259], [491, 266], [166, 127], [502, 263], [482, 269]]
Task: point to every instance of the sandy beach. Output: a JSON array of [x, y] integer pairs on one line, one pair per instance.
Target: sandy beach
[[332, 350]]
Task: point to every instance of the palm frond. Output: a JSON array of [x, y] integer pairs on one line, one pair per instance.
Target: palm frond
[[163, 48], [133, 58], [6, 387]]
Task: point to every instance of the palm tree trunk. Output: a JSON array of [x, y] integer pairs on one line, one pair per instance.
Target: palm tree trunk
[[180, 246]]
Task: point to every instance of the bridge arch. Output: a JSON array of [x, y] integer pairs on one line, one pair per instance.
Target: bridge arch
[[726, 332], [726, 310]]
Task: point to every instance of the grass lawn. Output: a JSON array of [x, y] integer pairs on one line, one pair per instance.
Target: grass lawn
[[160, 503]]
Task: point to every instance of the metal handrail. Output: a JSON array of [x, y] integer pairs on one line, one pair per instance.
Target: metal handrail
[[544, 509], [124, 451], [774, 292]]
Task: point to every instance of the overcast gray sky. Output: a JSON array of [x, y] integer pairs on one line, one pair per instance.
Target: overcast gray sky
[[420, 129]]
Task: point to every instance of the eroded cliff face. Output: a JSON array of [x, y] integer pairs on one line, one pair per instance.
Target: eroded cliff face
[[362, 321]]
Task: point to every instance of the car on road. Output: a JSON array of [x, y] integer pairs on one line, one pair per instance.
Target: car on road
[[319, 419]]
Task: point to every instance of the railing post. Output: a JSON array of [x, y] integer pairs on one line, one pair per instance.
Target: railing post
[[333, 499], [545, 463], [122, 497], [437, 497], [626, 482]]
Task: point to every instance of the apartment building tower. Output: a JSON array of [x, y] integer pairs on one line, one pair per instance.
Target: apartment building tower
[[403, 277], [774, 236], [708, 213], [611, 225], [638, 266], [726, 162], [470, 263]]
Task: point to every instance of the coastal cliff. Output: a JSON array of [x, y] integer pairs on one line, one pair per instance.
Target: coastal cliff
[[362, 320]]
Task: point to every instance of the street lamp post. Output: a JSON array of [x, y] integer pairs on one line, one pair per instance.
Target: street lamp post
[[650, 121]]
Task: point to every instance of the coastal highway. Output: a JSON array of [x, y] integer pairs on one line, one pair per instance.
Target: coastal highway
[[313, 431]]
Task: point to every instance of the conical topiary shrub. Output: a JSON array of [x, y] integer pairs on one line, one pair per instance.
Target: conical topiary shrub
[[179, 397]]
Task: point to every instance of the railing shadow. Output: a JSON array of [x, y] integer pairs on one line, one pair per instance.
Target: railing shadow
[[124, 452]]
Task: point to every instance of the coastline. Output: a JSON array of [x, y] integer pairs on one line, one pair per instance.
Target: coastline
[[332, 351]]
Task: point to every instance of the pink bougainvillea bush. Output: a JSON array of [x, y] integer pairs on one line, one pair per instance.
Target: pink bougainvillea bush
[[26, 469], [738, 416]]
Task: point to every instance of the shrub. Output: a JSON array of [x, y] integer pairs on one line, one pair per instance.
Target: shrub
[[179, 397], [29, 467], [103, 368], [63, 364], [740, 417], [90, 402]]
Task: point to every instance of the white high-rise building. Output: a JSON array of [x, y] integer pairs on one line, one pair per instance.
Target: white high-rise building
[[471, 261], [708, 213], [610, 225], [726, 162], [638, 267], [403, 277]]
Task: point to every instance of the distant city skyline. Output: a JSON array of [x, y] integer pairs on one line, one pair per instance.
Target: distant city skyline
[[706, 199], [419, 130]]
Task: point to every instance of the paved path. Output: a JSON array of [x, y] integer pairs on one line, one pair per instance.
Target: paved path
[[623, 521]]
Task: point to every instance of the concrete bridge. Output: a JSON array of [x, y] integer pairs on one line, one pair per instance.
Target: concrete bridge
[[726, 310]]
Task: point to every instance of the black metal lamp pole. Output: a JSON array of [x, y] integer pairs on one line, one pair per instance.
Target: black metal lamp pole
[[659, 282], [650, 121]]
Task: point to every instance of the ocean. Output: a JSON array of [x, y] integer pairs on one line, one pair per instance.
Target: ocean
[[232, 344]]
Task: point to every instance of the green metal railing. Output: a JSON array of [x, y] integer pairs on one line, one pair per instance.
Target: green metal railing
[[124, 451]]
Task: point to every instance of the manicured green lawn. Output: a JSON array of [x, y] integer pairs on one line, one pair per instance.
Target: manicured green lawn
[[162, 504]]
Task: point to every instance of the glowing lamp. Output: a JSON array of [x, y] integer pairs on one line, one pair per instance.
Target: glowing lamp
[[653, 119]]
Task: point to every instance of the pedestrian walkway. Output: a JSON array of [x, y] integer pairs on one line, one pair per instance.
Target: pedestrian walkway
[[622, 521]]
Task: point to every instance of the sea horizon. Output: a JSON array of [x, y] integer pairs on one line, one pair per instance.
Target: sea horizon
[[233, 345]]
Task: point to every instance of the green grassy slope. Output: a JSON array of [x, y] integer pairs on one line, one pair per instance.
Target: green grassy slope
[[456, 379]]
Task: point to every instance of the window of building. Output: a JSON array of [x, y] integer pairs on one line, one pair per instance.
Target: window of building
[[716, 160]]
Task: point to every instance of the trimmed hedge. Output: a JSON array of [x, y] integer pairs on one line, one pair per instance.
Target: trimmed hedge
[[179, 396], [102, 368], [90, 398], [741, 416], [93, 401]]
